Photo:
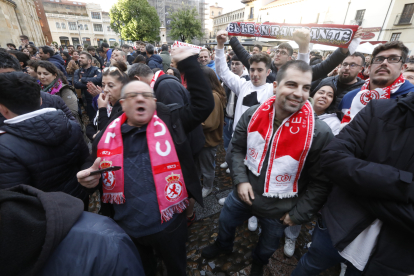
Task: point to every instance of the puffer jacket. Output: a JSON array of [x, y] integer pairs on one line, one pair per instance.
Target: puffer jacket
[[155, 61], [68, 95], [58, 61], [371, 165], [314, 186], [45, 151]]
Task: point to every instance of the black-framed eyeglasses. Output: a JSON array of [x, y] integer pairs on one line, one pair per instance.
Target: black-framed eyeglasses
[[282, 53], [391, 59], [146, 95], [351, 65]]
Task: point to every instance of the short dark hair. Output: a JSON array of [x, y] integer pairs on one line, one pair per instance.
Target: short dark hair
[[176, 73], [104, 44], [77, 46], [138, 59], [33, 63], [164, 47], [391, 45], [21, 57], [9, 61], [150, 49], [47, 50], [24, 37], [20, 93], [296, 64], [87, 54], [258, 46], [235, 58], [231, 53], [70, 46], [261, 57], [140, 70], [90, 48], [100, 50], [287, 47], [358, 54], [125, 46], [11, 44], [51, 68]]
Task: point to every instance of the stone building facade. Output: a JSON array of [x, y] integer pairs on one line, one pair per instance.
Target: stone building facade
[[19, 17]]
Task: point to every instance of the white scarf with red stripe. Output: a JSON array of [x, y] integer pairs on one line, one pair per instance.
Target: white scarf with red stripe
[[365, 96], [288, 151]]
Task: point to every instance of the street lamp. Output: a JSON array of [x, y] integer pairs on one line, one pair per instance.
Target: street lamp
[[80, 38]]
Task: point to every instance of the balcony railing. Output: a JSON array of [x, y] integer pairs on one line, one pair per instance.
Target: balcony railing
[[403, 19], [357, 22]]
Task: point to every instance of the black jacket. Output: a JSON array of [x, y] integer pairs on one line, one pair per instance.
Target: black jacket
[[319, 70], [371, 165], [50, 101], [45, 152], [341, 89], [88, 75], [58, 61], [315, 60], [180, 121], [169, 90]]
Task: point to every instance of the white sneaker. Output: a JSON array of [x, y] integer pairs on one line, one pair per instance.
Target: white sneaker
[[252, 224], [228, 171], [289, 247], [206, 192], [343, 269], [224, 165], [222, 200]]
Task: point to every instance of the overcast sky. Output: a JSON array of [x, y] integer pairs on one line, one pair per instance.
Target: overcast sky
[[228, 5]]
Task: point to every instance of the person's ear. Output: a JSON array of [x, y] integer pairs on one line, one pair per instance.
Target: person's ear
[[404, 67], [122, 102], [41, 101], [137, 77], [268, 72], [21, 64], [274, 87], [290, 58]]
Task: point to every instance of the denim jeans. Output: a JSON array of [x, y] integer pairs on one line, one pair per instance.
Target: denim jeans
[[227, 131], [321, 256], [233, 214]]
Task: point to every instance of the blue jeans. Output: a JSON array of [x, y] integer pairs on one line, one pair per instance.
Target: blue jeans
[[321, 256], [233, 214], [227, 131]]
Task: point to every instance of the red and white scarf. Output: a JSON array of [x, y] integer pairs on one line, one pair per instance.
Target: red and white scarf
[[288, 151], [155, 77], [168, 178], [365, 96]]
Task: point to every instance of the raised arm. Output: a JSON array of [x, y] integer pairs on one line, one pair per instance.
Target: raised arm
[[240, 52]]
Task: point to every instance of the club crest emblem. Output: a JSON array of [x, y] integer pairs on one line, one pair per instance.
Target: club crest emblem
[[367, 96], [108, 178], [173, 188]]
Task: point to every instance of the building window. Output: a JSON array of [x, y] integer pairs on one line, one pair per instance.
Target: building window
[[96, 15], [80, 27], [63, 26], [251, 15], [212, 13], [108, 28], [407, 14], [395, 37], [86, 27], [72, 26], [359, 16], [57, 25], [97, 27], [219, 13]]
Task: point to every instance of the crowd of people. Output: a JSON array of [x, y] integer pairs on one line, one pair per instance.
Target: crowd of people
[[307, 137]]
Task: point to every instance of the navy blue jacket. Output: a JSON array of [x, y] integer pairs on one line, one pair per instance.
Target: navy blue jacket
[[155, 61], [58, 61], [88, 75], [46, 152]]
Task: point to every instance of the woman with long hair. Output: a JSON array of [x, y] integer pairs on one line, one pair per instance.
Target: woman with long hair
[[26, 51], [32, 50], [113, 79], [213, 132], [53, 81], [174, 72], [66, 57]]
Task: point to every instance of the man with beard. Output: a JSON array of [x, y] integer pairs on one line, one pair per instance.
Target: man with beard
[[84, 75], [385, 82], [347, 79], [280, 188], [204, 58]]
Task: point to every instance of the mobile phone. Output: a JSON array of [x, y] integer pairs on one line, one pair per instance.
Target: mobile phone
[[114, 168]]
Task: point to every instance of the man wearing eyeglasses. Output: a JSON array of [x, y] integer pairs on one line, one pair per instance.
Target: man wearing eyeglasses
[[385, 82], [24, 41], [347, 78], [159, 175]]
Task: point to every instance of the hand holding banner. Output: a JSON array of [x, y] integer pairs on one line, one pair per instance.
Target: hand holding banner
[[326, 34]]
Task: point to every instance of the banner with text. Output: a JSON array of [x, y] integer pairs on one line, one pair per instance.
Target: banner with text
[[183, 44], [326, 34]]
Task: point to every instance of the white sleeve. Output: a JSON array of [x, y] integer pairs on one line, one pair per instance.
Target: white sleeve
[[304, 57], [232, 81]]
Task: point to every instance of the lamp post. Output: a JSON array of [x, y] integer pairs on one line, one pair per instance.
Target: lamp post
[[80, 38]]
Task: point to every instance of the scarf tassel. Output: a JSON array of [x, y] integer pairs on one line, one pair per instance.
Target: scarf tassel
[[117, 198], [281, 196], [178, 208]]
